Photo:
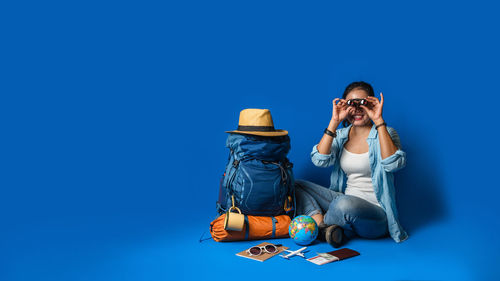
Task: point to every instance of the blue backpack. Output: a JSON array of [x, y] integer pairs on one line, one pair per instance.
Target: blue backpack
[[258, 176]]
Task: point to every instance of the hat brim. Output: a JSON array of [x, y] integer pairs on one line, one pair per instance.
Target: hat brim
[[275, 133]]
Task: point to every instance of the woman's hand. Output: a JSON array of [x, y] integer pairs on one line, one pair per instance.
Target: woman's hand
[[374, 112], [340, 110], [339, 113]]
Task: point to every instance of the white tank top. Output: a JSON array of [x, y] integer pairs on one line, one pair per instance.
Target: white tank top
[[359, 176]]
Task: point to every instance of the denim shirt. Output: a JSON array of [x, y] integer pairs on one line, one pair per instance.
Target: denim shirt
[[382, 169]]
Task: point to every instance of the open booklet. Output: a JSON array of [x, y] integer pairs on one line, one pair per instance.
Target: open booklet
[[264, 255]]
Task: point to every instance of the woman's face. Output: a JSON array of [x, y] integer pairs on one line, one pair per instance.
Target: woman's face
[[357, 116]]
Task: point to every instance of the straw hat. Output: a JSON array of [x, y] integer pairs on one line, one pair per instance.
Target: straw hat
[[257, 122]]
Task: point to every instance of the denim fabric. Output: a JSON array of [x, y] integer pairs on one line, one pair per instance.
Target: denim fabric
[[382, 173], [355, 215]]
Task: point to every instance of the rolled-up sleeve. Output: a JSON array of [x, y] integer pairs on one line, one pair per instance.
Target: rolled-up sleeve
[[397, 160], [322, 160], [394, 162]]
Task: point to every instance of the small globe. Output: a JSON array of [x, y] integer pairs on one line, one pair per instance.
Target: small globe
[[303, 230]]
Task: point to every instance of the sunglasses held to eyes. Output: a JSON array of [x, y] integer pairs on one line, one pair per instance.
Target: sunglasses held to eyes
[[357, 102], [258, 250]]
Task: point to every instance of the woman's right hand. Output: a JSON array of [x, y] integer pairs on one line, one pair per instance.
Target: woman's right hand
[[340, 110]]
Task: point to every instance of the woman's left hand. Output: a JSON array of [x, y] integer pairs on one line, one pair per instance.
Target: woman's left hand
[[374, 112]]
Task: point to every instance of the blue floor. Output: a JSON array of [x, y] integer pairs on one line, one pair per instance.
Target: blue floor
[[438, 252], [138, 249]]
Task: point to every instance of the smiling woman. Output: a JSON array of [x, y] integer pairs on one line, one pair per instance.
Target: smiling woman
[[367, 152], [357, 92]]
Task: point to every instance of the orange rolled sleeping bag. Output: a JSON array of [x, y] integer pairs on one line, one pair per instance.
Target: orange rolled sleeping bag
[[255, 228]]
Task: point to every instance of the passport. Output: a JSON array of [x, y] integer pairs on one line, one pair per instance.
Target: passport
[[342, 254]]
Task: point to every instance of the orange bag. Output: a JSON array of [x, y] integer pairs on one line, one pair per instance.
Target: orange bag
[[255, 228]]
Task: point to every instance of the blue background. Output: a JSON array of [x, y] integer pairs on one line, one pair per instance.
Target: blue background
[[113, 117]]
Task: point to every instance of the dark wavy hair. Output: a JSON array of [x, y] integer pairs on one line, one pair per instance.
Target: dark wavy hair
[[360, 85]]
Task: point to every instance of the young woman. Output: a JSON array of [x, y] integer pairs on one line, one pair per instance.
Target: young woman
[[367, 152]]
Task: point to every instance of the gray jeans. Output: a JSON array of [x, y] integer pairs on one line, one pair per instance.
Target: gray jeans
[[356, 216]]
